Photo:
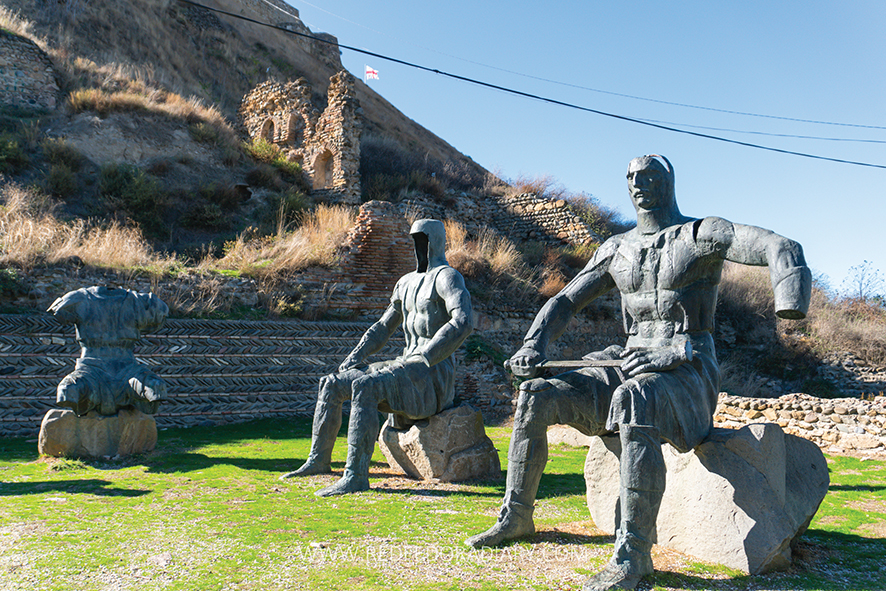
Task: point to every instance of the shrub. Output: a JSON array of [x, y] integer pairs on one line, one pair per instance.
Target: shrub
[[12, 157], [58, 151], [61, 181], [208, 216], [137, 192]]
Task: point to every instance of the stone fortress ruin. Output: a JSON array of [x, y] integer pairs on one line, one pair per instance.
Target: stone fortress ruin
[[326, 144], [27, 78]]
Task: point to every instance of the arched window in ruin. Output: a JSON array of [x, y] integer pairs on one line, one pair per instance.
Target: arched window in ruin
[[323, 170], [296, 132], [267, 131]]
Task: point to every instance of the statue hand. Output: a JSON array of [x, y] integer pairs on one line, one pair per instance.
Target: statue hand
[[348, 363], [610, 352], [646, 360], [524, 363]]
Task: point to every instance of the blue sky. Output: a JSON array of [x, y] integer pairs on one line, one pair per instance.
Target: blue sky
[[812, 60]]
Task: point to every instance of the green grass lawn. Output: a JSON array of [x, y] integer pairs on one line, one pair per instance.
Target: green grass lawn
[[206, 510]]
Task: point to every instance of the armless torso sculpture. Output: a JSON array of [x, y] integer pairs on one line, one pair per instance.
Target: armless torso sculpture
[[667, 270]]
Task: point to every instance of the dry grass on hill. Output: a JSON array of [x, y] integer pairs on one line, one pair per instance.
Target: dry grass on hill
[[316, 241], [30, 234]]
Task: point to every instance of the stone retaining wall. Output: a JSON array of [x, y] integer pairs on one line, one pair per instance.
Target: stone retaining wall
[[836, 425], [27, 78], [217, 371]]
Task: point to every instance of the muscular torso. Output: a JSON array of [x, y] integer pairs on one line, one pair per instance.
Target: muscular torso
[[668, 283], [424, 311]]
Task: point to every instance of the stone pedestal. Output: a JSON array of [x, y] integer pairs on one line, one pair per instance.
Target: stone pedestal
[[63, 433], [740, 499], [449, 446]]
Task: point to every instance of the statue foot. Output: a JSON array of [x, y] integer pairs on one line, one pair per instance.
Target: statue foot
[[511, 524], [347, 484], [309, 469], [616, 576]]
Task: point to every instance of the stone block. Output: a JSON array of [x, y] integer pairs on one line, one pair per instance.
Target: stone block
[[450, 446], [63, 433], [740, 499]]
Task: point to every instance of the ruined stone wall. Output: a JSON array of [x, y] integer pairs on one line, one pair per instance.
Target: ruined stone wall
[[337, 136], [379, 251], [27, 78], [519, 218], [327, 144]]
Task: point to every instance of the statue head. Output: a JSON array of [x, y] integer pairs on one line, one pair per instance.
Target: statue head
[[430, 244], [651, 183]]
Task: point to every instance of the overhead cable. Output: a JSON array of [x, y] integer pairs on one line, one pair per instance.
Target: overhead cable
[[538, 97], [609, 92]]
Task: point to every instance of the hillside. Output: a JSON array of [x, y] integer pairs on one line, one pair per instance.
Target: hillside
[[216, 58]]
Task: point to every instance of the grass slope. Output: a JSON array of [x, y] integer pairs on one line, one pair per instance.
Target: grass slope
[[206, 511]]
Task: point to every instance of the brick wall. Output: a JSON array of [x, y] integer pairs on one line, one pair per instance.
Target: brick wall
[[27, 78]]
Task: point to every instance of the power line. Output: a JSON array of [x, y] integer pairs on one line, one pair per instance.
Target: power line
[[608, 92], [538, 97]]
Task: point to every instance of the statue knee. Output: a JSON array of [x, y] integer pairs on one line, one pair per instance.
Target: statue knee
[[363, 393], [531, 399]]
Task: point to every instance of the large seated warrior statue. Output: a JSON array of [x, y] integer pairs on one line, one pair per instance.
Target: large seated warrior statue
[[107, 377], [434, 308], [662, 386]]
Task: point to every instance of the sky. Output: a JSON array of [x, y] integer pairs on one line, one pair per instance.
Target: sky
[[812, 60]]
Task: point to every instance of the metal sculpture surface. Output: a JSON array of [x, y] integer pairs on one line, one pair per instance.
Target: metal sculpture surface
[[434, 308], [663, 385], [107, 377]]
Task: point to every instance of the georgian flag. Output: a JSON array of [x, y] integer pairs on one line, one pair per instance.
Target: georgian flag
[[370, 74]]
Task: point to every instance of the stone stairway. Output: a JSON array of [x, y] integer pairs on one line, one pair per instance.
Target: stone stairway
[[217, 371]]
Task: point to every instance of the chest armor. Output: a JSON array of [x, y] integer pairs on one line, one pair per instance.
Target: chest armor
[[669, 279]]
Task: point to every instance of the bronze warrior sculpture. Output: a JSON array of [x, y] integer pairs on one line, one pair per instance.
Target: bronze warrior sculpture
[[434, 308], [665, 390]]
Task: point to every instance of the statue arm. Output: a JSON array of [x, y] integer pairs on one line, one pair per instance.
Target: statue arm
[[450, 286], [66, 309], [551, 321], [790, 276], [375, 338]]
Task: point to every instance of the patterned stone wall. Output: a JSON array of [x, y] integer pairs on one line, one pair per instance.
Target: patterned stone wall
[[217, 371], [327, 144], [27, 78]]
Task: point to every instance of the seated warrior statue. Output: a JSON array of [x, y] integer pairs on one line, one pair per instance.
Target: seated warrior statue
[[434, 308], [663, 385], [107, 377]]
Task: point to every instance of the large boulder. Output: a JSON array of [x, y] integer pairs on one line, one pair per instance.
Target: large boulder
[[63, 433], [740, 499], [450, 446]]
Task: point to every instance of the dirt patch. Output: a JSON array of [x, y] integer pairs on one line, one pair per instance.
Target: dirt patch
[[871, 530], [868, 506]]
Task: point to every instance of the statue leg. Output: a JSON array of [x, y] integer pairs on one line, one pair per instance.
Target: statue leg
[[334, 390], [567, 399], [362, 433], [642, 476]]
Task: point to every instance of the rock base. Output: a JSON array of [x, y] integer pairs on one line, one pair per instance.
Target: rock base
[[740, 499], [450, 446], [63, 433]]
